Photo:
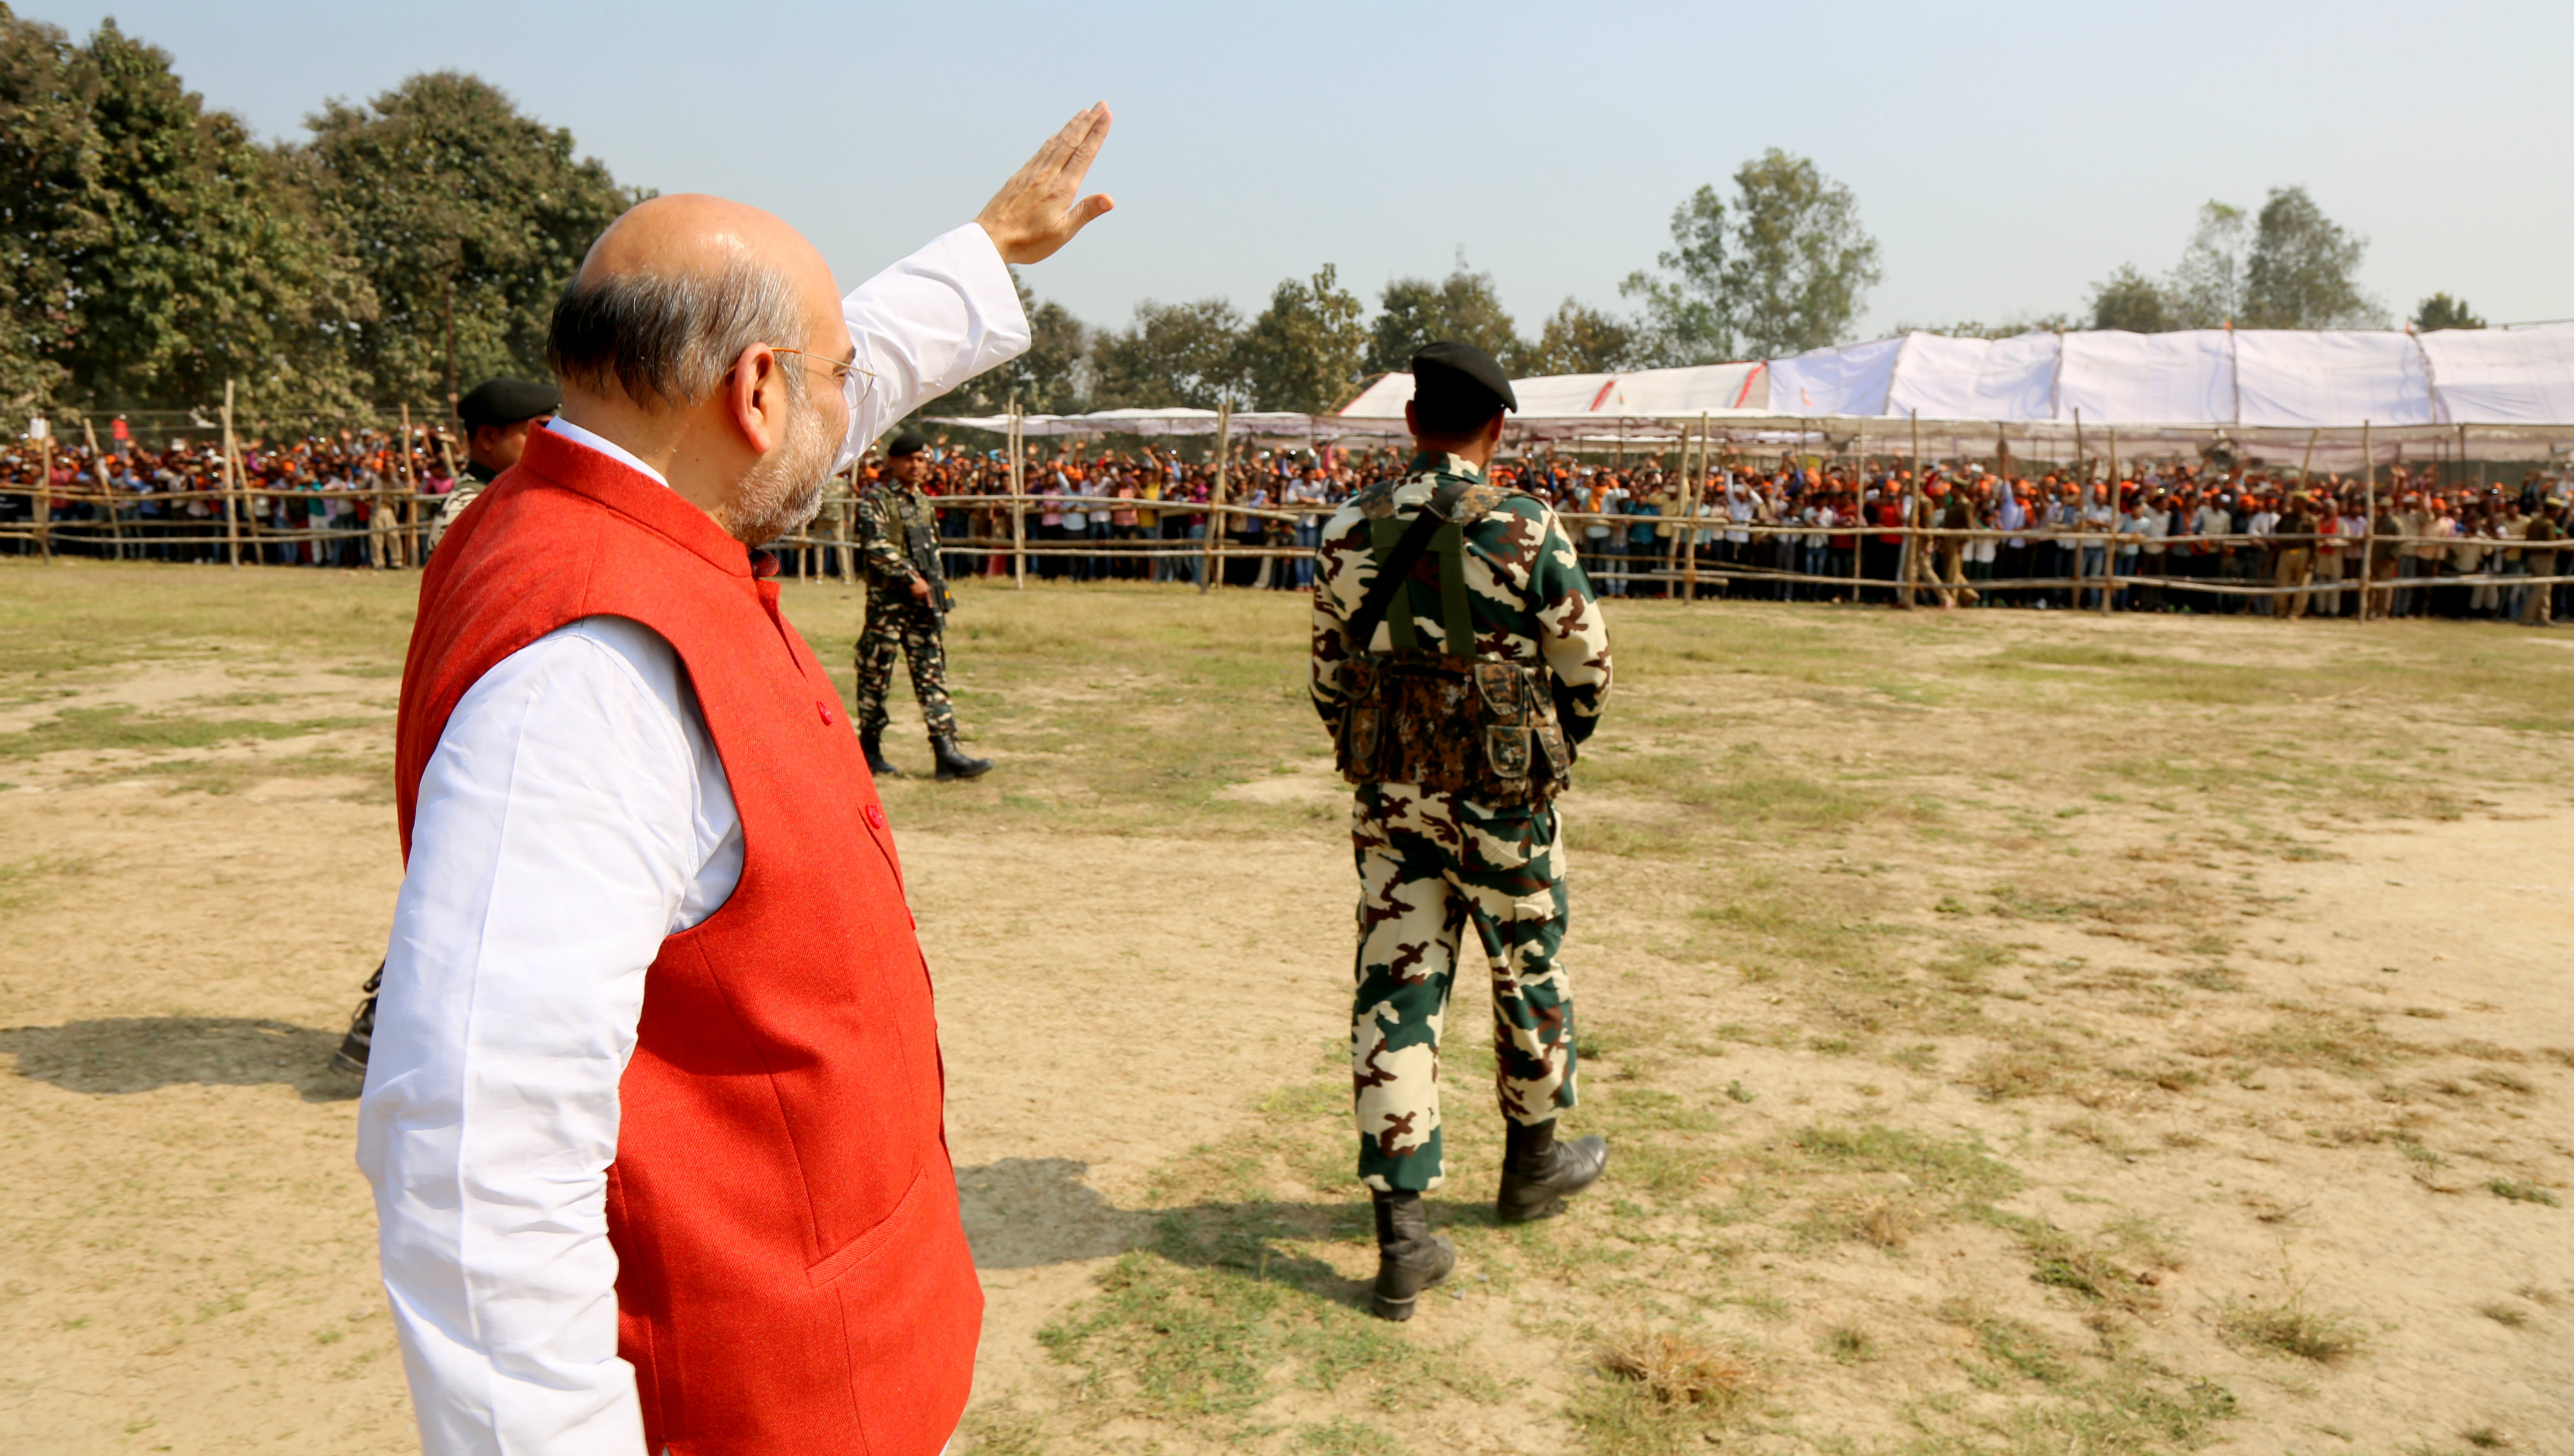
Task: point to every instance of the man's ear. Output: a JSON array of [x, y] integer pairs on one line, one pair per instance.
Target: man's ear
[[756, 398]]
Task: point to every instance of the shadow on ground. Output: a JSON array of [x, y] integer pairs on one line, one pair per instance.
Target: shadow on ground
[[141, 1053], [1023, 1212]]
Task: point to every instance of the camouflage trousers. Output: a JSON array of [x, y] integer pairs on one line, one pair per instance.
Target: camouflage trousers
[[911, 630], [1433, 868]]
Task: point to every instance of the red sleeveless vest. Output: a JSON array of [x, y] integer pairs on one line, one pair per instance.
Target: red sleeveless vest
[[791, 1277]]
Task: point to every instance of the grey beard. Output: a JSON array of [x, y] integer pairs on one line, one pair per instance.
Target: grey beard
[[785, 489]]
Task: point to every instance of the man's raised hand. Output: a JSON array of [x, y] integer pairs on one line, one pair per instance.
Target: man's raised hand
[[1039, 209]]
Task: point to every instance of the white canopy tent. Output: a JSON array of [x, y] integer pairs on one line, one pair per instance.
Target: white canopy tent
[[2280, 397]]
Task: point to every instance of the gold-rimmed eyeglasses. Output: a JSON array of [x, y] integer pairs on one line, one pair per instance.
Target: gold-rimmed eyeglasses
[[845, 371]]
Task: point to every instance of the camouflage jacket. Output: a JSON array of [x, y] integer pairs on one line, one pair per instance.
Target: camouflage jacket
[[1527, 597], [886, 511]]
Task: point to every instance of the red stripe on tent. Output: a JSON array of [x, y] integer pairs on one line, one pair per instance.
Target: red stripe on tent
[[1598, 399], [1744, 393]]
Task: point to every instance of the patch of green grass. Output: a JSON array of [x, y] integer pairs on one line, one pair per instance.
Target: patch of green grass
[[23, 882], [2521, 1192], [1344, 1436], [1962, 1169], [1000, 1430], [2090, 1269], [2324, 1038], [117, 726], [2289, 1324], [74, 614], [1849, 1344], [1657, 1393]]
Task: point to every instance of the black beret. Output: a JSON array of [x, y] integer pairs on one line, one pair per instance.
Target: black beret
[[1461, 374], [506, 402], [909, 442]]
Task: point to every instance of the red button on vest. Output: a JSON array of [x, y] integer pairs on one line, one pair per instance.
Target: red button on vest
[[791, 1274], [822, 706]]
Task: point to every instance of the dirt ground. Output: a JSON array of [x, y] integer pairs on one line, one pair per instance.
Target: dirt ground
[[2018, 1032]]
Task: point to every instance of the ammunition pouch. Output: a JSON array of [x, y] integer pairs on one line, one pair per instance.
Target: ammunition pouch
[[1484, 730]]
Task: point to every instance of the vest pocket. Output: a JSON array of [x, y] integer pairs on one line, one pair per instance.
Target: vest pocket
[[874, 1238], [1507, 748]]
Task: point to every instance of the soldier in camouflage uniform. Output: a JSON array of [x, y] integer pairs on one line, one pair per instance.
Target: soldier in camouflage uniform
[[1456, 694], [908, 606], [497, 415]]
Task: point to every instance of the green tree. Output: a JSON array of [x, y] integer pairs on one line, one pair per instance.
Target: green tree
[[157, 250], [2440, 311], [2128, 299], [1578, 339], [1685, 318], [1781, 268], [1800, 265], [464, 214], [1046, 379], [51, 206], [2206, 289], [1305, 349], [1464, 307], [1187, 355], [2303, 271], [214, 265]]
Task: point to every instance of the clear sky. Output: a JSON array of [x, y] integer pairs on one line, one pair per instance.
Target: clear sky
[[2004, 154]]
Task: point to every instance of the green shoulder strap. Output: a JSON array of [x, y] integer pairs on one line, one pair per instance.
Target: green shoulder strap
[[1396, 545], [1456, 620]]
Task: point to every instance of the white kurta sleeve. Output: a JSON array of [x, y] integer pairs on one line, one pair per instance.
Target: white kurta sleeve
[[563, 829], [928, 323]]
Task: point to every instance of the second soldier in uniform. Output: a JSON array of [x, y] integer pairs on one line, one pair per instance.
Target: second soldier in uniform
[[1460, 658], [908, 606]]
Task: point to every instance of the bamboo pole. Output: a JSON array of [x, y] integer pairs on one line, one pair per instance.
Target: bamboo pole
[[233, 494], [1911, 509], [1858, 543], [2110, 557], [1690, 512], [2367, 518], [1209, 551], [410, 479], [107, 495], [45, 493], [1018, 497]]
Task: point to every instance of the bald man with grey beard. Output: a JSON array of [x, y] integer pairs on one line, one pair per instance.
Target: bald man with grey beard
[[653, 1107]]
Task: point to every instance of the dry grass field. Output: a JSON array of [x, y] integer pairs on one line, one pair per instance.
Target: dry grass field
[[2018, 1032]]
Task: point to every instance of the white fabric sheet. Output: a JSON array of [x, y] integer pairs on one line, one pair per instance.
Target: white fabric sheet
[[2502, 376], [1974, 379], [2309, 378], [2117, 378], [1851, 381]]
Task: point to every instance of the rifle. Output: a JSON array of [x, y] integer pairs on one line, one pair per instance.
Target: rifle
[[921, 543]]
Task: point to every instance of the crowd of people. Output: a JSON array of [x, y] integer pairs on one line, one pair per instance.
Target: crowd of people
[[2187, 537], [337, 499]]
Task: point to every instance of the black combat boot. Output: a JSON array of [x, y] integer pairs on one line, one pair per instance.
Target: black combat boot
[[871, 742], [352, 1055], [952, 763], [1536, 1175], [1409, 1257]]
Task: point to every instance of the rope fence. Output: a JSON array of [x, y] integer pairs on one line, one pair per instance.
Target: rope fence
[[240, 526]]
